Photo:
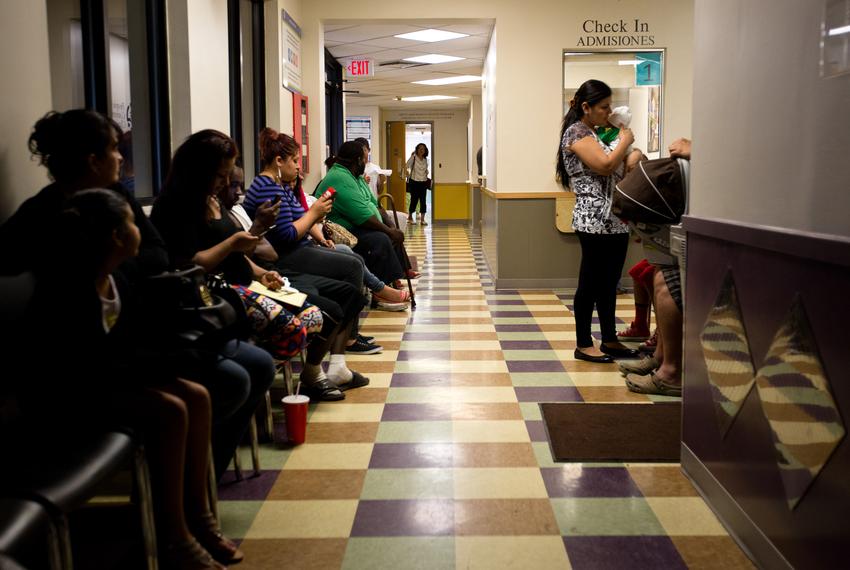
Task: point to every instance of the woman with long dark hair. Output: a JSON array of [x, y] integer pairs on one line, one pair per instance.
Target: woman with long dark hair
[[586, 166], [419, 182]]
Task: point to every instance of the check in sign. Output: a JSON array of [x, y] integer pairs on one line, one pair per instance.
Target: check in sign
[[360, 68]]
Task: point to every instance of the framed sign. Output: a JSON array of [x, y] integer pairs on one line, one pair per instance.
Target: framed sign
[[290, 70]]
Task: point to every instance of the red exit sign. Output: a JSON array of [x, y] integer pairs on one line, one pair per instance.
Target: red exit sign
[[360, 68]]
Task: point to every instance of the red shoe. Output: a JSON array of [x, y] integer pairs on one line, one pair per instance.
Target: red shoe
[[651, 344], [411, 274], [633, 334]]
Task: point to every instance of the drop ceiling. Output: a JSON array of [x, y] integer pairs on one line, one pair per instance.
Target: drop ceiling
[[394, 78]]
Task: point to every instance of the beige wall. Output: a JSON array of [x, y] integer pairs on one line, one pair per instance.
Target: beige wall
[[209, 65], [490, 113], [771, 138], [448, 156], [25, 91], [279, 100], [528, 68]]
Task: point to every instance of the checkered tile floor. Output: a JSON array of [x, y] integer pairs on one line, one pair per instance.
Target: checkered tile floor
[[442, 462]]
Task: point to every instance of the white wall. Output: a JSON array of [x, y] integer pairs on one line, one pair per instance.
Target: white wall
[[25, 91], [449, 152], [209, 67], [490, 113], [278, 99], [771, 137], [528, 64]]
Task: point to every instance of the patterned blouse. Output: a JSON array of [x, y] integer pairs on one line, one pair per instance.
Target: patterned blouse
[[592, 212]]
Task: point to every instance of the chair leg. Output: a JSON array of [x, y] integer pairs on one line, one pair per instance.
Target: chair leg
[[269, 418], [237, 465], [64, 536], [255, 445], [55, 548], [212, 487], [143, 488]]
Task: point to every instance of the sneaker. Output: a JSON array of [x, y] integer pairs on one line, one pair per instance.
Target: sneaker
[[633, 334], [643, 367], [364, 338], [651, 344], [360, 347]]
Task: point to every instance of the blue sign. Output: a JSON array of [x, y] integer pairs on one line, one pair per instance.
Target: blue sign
[[648, 71]]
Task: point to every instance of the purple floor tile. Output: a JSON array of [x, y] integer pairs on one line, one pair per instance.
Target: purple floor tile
[[424, 319], [416, 413], [506, 302], [410, 455], [547, 393], [614, 552], [534, 366], [577, 481], [517, 328], [420, 379], [526, 345], [250, 488], [511, 314], [424, 355], [404, 518], [536, 430]]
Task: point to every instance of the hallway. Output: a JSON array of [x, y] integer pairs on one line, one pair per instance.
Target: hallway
[[443, 461]]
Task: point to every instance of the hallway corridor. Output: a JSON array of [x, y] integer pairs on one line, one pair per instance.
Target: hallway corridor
[[443, 461]]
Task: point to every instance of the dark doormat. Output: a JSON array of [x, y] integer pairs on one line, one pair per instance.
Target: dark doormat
[[614, 432]]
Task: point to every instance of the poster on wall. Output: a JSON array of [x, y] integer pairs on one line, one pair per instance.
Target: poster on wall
[[290, 72], [358, 127]]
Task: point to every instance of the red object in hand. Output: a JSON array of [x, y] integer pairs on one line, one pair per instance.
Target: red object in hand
[[331, 192]]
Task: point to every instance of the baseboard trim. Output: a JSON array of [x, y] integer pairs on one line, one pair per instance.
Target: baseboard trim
[[741, 528]]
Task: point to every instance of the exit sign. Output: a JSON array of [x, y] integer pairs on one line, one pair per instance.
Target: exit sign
[[360, 68]]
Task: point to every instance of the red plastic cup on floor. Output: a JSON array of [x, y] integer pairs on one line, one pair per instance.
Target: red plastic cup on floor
[[295, 411]]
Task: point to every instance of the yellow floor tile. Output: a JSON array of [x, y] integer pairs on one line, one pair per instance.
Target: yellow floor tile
[[383, 356], [447, 366], [596, 378], [685, 516], [303, 519], [378, 379], [330, 456], [495, 483], [437, 395], [342, 412], [560, 335], [511, 553]]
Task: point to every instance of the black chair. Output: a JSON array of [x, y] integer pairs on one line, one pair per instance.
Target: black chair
[[26, 527]]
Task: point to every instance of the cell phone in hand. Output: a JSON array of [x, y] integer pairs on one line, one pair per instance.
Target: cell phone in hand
[[267, 230], [275, 200]]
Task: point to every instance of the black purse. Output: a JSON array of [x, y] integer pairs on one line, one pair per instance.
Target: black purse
[[194, 313]]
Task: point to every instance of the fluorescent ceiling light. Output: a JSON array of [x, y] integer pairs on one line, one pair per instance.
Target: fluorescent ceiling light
[[433, 58], [839, 31], [431, 35], [630, 61], [428, 98], [450, 80]]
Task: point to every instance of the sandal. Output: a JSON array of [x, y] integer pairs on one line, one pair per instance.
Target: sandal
[[209, 535], [412, 274], [187, 555], [323, 390], [390, 295], [357, 381], [652, 384], [643, 367]]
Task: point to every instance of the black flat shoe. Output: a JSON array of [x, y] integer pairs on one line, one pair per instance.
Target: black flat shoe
[[620, 351], [604, 359]]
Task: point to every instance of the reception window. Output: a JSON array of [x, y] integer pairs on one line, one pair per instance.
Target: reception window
[[636, 78]]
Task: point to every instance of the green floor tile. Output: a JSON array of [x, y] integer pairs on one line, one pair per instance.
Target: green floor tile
[[408, 484], [530, 411], [622, 516], [413, 432], [236, 516], [512, 335], [530, 355], [408, 553]]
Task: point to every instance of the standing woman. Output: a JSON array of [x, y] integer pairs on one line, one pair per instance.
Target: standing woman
[[586, 166], [417, 174]]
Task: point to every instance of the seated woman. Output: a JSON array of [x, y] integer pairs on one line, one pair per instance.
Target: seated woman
[[198, 230], [356, 209], [113, 374], [80, 150]]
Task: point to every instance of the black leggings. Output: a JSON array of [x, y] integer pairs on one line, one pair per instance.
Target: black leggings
[[418, 193], [602, 258]]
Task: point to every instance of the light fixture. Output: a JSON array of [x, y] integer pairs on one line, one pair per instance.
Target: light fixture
[[839, 31], [431, 35], [433, 58], [428, 98], [450, 80], [630, 61]]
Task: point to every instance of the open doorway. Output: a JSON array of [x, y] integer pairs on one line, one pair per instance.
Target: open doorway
[[415, 134]]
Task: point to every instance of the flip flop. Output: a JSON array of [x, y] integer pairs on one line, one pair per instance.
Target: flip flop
[[323, 390], [357, 381], [652, 384]]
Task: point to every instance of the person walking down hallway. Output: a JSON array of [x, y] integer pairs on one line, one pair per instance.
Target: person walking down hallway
[[418, 182], [587, 166]]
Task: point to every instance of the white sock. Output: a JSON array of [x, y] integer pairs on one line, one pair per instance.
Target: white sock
[[337, 370], [312, 373]]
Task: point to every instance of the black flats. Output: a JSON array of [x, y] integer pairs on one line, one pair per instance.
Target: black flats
[[604, 359], [619, 351]]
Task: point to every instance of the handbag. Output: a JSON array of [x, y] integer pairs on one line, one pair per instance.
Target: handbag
[[654, 192], [193, 313], [338, 234]]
